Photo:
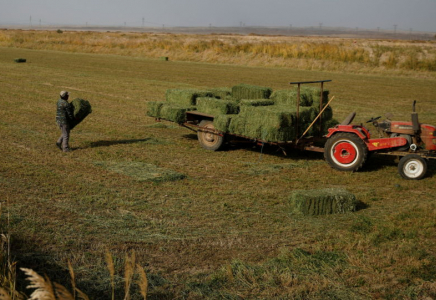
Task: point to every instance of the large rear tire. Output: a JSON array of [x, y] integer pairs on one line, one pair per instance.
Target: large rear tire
[[209, 140], [345, 152], [412, 167]]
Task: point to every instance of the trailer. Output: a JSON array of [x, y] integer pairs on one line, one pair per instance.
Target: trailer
[[346, 147]]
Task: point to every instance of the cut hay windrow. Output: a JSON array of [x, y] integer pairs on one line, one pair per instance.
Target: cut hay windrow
[[246, 91], [256, 102], [141, 171], [153, 108], [221, 93], [322, 201], [213, 106], [81, 109], [174, 113], [185, 98], [222, 122]]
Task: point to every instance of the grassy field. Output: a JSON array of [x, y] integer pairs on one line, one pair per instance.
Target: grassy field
[[218, 225]]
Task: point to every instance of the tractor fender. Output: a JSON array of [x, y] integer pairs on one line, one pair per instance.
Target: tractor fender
[[360, 131]]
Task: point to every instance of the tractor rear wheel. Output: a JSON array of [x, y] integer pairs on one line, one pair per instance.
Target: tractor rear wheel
[[412, 166], [209, 140], [345, 152]]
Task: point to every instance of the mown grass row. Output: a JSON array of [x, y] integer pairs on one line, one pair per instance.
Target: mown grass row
[[303, 53]]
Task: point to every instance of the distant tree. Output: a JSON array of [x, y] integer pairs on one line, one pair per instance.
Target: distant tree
[[59, 31]]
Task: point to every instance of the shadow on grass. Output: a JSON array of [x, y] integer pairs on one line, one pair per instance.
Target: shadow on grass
[[107, 143]]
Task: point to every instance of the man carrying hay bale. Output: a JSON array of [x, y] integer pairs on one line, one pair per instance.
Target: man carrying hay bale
[[64, 114]]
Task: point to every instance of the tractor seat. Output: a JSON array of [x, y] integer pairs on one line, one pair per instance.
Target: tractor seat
[[349, 119]]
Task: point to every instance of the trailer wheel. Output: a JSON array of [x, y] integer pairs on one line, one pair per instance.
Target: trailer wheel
[[208, 140], [412, 166], [345, 152]]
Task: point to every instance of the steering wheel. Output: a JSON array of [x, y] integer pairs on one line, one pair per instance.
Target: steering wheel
[[373, 119]]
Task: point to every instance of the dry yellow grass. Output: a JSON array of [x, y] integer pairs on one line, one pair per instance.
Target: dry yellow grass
[[308, 53]]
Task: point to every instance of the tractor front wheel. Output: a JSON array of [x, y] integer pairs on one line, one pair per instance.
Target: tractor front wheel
[[345, 152], [207, 138], [412, 166]]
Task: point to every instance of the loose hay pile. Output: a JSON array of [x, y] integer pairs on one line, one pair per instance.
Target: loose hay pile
[[322, 202], [251, 111], [82, 108], [141, 171]]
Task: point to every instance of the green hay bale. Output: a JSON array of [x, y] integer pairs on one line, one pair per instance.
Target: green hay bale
[[153, 109], [322, 201], [246, 91], [186, 97], [270, 123], [174, 113], [289, 97], [20, 60], [213, 106], [256, 102], [326, 124], [222, 122], [237, 125], [81, 109], [141, 171], [309, 96], [221, 93]]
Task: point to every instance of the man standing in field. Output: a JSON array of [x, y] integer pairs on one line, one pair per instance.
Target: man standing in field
[[64, 115]]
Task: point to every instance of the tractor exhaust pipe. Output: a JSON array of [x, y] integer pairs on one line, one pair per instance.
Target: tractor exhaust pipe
[[415, 122]]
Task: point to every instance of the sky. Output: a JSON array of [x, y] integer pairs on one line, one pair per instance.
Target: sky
[[416, 15]]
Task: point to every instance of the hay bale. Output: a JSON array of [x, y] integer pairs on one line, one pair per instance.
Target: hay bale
[[246, 91], [289, 97], [222, 122], [256, 102], [213, 106], [221, 93], [322, 201], [174, 113], [164, 58], [185, 97], [237, 125], [271, 123], [81, 109], [153, 108], [326, 124], [309, 96], [20, 60]]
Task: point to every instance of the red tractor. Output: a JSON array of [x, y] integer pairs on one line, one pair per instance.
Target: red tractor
[[348, 146]]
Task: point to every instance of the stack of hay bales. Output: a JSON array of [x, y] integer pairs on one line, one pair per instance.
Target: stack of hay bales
[[81, 109], [178, 102], [322, 201], [251, 111]]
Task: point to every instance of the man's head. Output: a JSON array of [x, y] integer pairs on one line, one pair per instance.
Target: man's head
[[64, 95]]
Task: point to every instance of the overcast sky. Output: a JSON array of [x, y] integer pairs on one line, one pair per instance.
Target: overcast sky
[[418, 15]]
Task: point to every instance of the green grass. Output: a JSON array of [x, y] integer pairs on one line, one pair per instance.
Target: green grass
[[230, 213]]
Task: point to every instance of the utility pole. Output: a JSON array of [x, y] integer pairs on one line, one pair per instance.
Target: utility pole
[[30, 21], [143, 22], [320, 26], [395, 29], [40, 23]]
